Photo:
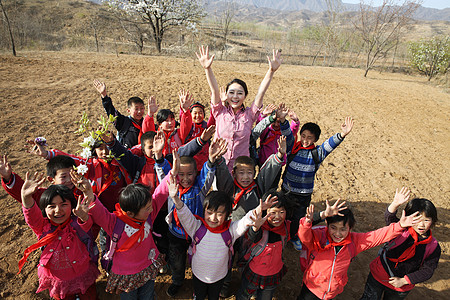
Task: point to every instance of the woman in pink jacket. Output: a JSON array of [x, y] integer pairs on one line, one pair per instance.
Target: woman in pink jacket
[[332, 248], [234, 121]]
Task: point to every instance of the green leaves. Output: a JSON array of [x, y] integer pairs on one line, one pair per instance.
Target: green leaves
[[430, 57]]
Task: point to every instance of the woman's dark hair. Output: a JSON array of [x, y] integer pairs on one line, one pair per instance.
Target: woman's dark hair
[[422, 206], [54, 190], [347, 217], [164, 114], [133, 197], [216, 199], [241, 83]]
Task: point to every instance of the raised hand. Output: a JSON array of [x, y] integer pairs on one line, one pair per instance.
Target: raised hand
[[269, 202], [408, 221], [30, 186], [293, 116], [282, 146], [269, 109], [100, 87], [309, 213], [35, 148], [217, 149], [347, 126], [257, 218], [152, 106], [282, 112], [186, 99], [173, 187], [158, 144], [223, 94], [176, 163], [401, 196], [82, 183], [5, 168], [208, 133], [82, 210], [275, 63], [107, 137], [333, 210], [203, 57]]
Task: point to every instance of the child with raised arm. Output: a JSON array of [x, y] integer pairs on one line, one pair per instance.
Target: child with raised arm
[[129, 129], [234, 122], [192, 191], [65, 267], [210, 261], [58, 172], [192, 124], [408, 259], [304, 159], [332, 248], [136, 259]]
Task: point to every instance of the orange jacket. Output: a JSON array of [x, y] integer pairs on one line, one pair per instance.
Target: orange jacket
[[326, 274]]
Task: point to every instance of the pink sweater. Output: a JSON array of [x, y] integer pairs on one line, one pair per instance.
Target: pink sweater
[[235, 129], [142, 254], [65, 267]]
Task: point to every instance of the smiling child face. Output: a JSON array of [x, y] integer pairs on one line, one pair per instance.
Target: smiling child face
[[58, 211], [338, 231]]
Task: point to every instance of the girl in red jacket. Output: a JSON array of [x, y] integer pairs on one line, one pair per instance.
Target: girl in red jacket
[[332, 248]]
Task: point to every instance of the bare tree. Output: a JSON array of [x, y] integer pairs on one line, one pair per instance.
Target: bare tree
[[381, 27], [225, 21], [161, 15], [8, 25]]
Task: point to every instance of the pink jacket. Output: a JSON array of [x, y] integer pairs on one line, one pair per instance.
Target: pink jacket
[[64, 265], [141, 255], [235, 129], [326, 274]]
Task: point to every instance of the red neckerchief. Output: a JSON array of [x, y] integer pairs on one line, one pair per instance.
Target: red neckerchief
[[219, 229], [332, 243], [274, 136], [138, 127], [298, 146], [43, 242], [99, 174], [411, 251], [281, 230], [242, 192], [182, 191], [138, 236], [167, 148], [198, 129]]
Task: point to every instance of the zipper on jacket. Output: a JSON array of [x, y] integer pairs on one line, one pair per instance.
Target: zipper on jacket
[[332, 271]]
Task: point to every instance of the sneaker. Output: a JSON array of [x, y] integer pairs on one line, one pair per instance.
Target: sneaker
[[297, 244], [173, 290]]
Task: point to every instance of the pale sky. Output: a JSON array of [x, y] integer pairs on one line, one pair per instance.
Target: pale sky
[[439, 4]]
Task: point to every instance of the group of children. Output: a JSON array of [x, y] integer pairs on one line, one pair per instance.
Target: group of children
[[170, 192]]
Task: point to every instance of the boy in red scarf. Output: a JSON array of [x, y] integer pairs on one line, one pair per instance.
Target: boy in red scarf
[[331, 249], [410, 258]]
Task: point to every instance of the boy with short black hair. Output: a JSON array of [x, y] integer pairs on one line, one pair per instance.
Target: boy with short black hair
[[58, 172], [304, 159], [129, 129]]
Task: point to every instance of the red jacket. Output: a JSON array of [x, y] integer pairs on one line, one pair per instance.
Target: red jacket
[[326, 274]]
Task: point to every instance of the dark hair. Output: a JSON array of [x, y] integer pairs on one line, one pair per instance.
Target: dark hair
[[59, 162], [197, 104], [244, 160], [216, 199], [240, 82], [148, 136], [313, 128], [283, 201], [188, 160], [54, 190], [422, 206], [133, 197], [164, 114], [347, 217], [135, 100], [97, 144]]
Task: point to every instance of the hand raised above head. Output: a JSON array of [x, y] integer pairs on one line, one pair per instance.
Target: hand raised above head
[[269, 109], [5, 168], [275, 63], [208, 133], [335, 209], [31, 183], [309, 213], [203, 57], [347, 126], [152, 106], [186, 99], [100, 87]]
